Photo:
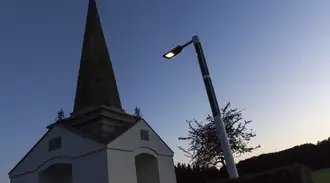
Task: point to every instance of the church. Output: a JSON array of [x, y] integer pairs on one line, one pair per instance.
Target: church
[[99, 142]]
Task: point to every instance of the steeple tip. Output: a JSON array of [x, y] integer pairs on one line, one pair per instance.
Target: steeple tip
[[96, 85]]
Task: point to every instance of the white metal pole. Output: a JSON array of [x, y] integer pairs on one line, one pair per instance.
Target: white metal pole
[[220, 127]]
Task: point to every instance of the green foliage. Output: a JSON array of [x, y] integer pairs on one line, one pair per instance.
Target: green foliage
[[205, 149], [292, 174], [321, 176]]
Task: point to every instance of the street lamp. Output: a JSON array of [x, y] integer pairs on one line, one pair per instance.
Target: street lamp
[[220, 127]]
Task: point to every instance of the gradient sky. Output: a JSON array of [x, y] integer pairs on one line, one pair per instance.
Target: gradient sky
[[270, 57]]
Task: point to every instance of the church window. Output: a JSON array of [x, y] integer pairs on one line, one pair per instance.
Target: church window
[[144, 135], [55, 143]]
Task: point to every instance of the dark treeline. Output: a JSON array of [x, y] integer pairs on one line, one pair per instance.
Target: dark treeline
[[315, 156], [195, 174]]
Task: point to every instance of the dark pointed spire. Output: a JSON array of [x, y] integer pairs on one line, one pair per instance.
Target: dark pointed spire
[[96, 84]]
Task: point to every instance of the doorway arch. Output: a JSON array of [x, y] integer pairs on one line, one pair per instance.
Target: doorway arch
[[147, 170], [56, 173]]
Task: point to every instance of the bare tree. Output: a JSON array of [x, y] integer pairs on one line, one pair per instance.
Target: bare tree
[[205, 149]]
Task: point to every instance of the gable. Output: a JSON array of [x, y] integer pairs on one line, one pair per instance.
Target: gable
[[131, 140], [72, 146]]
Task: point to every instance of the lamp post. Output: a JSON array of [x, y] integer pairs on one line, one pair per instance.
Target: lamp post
[[220, 127]]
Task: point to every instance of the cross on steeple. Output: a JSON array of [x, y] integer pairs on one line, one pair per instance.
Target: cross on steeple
[[96, 84]]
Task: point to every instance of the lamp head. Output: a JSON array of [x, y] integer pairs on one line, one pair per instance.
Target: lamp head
[[175, 51]]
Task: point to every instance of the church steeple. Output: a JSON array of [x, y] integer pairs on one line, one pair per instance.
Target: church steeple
[[96, 84]]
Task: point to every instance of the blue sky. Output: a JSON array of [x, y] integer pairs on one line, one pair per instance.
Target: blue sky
[[270, 57]]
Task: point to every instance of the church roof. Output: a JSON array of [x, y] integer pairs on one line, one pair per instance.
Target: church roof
[[97, 137]]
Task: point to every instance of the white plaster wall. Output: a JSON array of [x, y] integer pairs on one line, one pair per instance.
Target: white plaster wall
[[122, 152], [115, 164], [121, 167], [130, 140], [72, 146], [166, 169], [91, 168], [85, 169], [28, 178]]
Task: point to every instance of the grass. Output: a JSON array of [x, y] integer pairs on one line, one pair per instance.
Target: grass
[[321, 176]]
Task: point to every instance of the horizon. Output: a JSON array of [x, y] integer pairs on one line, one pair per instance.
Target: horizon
[[269, 58]]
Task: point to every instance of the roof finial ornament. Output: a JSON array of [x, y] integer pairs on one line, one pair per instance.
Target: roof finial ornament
[[60, 115], [137, 113]]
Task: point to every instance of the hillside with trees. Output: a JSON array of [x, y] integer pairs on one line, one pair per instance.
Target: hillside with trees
[[206, 154], [315, 156]]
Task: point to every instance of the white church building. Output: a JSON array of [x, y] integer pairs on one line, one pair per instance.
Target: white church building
[[99, 142]]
